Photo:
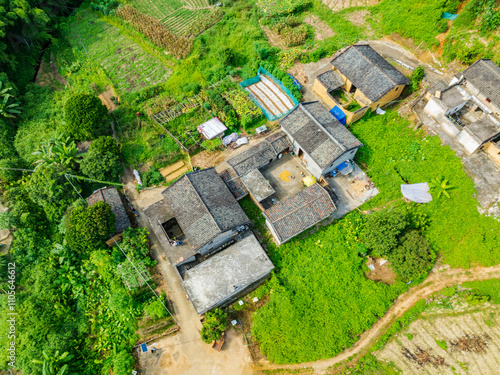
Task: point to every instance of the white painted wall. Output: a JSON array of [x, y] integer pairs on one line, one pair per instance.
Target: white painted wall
[[468, 141]]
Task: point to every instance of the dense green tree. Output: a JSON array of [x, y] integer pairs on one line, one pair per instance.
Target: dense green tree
[[84, 115], [49, 187], [382, 230], [23, 211], [54, 364], [102, 161], [8, 176], [413, 258], [215, 324], [89, 227], [9, 107]]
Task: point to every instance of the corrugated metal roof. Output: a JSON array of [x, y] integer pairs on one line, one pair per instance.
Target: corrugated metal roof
[[212, 128]]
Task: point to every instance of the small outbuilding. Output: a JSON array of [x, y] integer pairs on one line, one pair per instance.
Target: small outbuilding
[[212, 128], [299, 212], [111, 196]]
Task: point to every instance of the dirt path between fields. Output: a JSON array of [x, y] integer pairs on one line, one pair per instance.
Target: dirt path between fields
[[437, 281]]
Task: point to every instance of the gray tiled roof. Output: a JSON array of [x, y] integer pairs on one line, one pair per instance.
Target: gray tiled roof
[[318, 133], [111, 196], [259, 155], [485, 76], [203, 206], [331, 80], [234, 183], [485, 128], [299, 212], [368, 71]]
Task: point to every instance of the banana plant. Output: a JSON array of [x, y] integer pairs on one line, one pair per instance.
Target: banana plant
[[59, 150], [54, 364], [8, 108], [442, 186]]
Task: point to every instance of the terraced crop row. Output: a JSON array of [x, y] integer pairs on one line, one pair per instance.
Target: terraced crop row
[[181, 20], [197, 3], [124, 62], [158, 9]]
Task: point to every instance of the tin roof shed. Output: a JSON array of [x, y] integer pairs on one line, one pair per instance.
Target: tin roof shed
[[212, 128]]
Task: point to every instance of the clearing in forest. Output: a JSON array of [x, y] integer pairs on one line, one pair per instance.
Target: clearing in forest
[[128, 66], [182, 17], [441, 344]]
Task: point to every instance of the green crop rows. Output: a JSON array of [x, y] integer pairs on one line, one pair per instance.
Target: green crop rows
[[128, 66]]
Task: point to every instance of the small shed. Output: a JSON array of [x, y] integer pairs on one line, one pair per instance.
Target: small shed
[[212, 128]]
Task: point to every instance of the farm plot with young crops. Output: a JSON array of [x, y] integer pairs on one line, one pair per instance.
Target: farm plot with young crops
[[128, 66], [183, 17], [463, 344]]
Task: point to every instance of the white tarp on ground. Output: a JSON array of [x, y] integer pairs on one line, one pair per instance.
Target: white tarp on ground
[[418, 193], [212, 128], [227, 140]]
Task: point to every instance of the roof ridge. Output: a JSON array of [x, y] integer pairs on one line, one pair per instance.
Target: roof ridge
[[489, 66], [362, 54], [335, 140], [204, 204]]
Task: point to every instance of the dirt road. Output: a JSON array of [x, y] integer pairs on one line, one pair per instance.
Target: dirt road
[[437, 281], [184, 352]]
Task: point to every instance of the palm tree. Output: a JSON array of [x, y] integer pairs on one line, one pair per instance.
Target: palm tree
[[51, 364], [8, 109]]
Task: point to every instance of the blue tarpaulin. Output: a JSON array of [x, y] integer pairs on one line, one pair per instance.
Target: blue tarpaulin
[[449, 16], [144, 348], [338, 114]]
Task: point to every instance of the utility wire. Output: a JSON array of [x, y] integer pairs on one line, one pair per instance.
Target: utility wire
[[163, 304]]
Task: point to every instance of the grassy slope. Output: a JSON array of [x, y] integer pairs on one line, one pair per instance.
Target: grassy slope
[[457, 231]]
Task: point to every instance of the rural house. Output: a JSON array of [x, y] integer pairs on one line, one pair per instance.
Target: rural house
[[111, 196], [318, 138], [360, 79], [206, 237], [468, 109], [205, 210], [280, 184]]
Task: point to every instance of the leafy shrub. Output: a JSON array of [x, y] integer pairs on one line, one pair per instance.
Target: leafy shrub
[[10, 176], [89, 227], [155, 310], [416, 77], [105, 6], [102, 161], [135, 244], [212, 144], [84, 114], [152, 177], [413, 258], [215, 324], [382, 230], [442, 344]]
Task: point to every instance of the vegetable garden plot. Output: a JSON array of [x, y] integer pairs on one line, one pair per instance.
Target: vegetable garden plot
[[464, 344], [129, 67]]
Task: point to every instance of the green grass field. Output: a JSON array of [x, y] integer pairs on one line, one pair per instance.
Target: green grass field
[[128, 66]]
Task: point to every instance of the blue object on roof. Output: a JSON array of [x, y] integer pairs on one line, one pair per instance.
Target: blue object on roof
[[339, 114], [449, 16], [342, 166], [295, 82], [144, 348]]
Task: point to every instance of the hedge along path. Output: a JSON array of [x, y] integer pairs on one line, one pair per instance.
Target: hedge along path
[[434, 283]]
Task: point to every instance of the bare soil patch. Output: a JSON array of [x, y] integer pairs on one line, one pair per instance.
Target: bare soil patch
[[48, 75], [322, 30], [358, 18], [337, 5], [382, 273], [207, 159], [273, 38], [299, 73], [106, 99]]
